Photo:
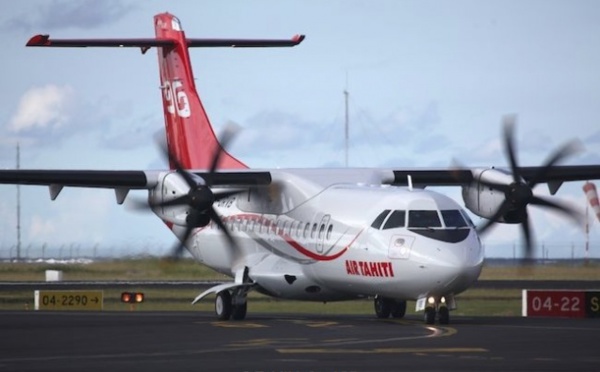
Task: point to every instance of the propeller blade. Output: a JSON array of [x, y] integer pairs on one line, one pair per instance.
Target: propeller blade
[[509, 147], [527, 237], [543, 202], [217, 219], [501, 210], [227, 135], [179, 247], [566, 150], [187, 176]]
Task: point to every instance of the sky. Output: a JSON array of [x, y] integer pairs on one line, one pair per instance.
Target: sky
[[428, 82]]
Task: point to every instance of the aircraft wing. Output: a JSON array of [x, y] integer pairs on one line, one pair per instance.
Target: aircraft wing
[[554, 176], [120, 180]]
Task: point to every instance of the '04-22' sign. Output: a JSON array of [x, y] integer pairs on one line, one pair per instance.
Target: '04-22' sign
[[559, 303]]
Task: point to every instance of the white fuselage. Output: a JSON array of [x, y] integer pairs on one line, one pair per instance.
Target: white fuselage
[[300, 240]]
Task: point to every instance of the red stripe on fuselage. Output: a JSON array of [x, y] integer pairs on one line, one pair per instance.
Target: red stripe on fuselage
[[288, 239]]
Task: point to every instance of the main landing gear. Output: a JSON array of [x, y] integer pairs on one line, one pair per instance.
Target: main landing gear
[[436, 306], [384, 307], [232, 304]]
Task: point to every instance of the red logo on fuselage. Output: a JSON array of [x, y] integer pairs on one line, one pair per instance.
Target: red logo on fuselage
[[369, 268]]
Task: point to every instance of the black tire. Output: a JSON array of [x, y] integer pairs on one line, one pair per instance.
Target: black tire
[[444, 315], [239, 311], [429, 315], [223, 305], [398, 309], [383, 307]]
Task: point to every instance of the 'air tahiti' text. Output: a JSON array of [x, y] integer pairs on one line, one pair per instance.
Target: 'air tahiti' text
[[367, 268]]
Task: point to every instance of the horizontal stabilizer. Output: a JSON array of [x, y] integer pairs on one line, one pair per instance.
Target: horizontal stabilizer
[[44, 40], [145, 44], [245, 43]]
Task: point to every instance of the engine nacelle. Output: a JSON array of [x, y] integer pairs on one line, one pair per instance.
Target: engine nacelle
[[485, 201], [171, 185]]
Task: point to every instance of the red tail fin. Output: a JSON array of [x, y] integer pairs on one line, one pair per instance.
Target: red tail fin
[[190, 136]]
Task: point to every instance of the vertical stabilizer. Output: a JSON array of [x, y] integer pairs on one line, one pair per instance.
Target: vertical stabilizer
[[190, 136]]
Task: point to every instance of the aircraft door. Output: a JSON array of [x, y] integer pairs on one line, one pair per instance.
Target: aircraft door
[[321, 232]]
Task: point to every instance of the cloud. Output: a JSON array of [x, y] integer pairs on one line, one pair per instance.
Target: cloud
[[275, 131], [45, 108], [50, 115], [63, 14]]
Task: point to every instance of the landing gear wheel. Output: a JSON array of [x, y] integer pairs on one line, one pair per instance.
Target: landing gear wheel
[[383, 307], [239, 311], [223, 305], [398, 309], [444, 315], [429, 315]]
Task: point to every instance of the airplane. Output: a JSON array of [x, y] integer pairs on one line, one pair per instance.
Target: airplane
[[311, 234]]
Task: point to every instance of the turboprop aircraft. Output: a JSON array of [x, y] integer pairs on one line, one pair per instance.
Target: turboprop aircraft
[[310, 234]]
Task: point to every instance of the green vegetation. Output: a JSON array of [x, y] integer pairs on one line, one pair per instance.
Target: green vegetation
[[135, 269], [558, 270], [475, 301]]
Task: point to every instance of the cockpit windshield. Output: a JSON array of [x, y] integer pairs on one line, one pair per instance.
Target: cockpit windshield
[[420, 219], [396, 219], [379, 220], [453, 218], [423, 219]]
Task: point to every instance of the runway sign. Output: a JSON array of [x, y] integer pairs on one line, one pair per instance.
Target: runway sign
[[559, 303], [68, 300]]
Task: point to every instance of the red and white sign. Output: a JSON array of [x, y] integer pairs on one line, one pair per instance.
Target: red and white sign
[[554, 303]]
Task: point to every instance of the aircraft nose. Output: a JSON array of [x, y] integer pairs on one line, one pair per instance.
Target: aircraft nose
[[462, 267], [454, 266]]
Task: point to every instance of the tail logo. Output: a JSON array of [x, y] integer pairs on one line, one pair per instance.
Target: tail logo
[[180, 104]]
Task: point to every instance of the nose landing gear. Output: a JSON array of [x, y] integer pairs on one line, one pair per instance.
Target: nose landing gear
[[436, 307]]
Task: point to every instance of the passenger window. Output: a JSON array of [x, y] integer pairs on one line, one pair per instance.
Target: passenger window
[[314, 230], [329, 230], [396, 219], [321, 230], [453, 218], [284, 228], [423, 219], [293, 228], [379, 220], [306, 228]]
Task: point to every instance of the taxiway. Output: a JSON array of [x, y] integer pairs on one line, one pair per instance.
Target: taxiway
[[180, 341]]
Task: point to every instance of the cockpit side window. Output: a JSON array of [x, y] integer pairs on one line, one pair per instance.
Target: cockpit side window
[[466, 216], [379, 220], [453, 218], [423, 219], [396, 219]]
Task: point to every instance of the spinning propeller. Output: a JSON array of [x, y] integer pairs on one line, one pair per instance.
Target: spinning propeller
[[519, 193], [199, 198]]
